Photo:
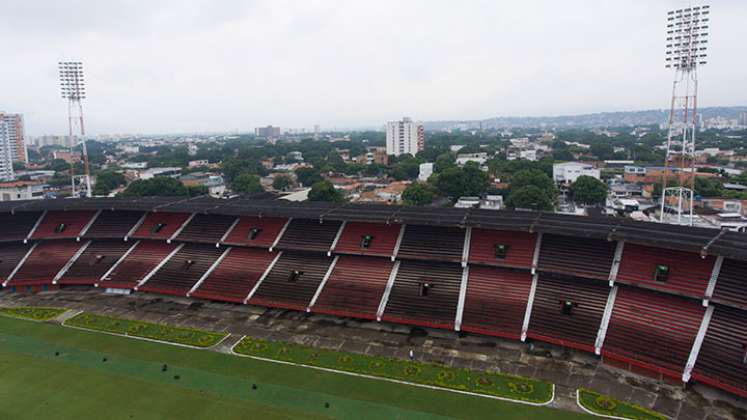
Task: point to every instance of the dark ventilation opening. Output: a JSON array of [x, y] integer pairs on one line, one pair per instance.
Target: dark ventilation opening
[[157, 228], [425, 288], [567, 307], [366, 241], [295, 275], [661, 274], [500, 251], [188, 264], [60, 228], [254, 232]]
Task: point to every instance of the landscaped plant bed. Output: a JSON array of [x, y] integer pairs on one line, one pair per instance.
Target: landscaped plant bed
[[186, 336], [33, 313], [495, 384], [597, 403]]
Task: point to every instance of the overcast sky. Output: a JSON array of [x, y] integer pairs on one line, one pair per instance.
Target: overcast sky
[[206, 66]]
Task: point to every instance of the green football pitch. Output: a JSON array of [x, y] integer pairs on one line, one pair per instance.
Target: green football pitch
[[52, 372]]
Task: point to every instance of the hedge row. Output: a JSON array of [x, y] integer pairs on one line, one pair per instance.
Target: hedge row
[[188, 336], [496, 384]]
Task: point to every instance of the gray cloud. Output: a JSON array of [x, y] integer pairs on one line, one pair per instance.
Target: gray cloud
[[178, 66]]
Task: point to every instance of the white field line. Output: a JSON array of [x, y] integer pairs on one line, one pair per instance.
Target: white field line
[[153, 340], [578, 403], [397, 381]]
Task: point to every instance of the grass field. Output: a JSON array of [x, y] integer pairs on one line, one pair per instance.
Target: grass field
[[52, 372]]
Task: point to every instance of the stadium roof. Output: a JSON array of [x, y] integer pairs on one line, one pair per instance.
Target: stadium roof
[[703, 240]]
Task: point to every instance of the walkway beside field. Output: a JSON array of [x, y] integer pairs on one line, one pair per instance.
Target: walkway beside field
[[567, 369]]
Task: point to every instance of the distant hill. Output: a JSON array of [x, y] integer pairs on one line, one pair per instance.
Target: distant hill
[[601, 119]]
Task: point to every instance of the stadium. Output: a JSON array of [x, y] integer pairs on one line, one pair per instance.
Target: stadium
[[662, 302]]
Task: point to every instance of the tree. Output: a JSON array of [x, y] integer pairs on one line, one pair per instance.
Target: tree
[[160, 185], [107, 181], [325, 191], [456, 182], [589, 190], [308, 176], [59, 165], [418, 194], [246, 183], [534, 177], [281, 182], [708, 187], [529, 197]]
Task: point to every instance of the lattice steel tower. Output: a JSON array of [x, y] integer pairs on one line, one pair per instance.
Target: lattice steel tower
[[73, 89], [687, 33]]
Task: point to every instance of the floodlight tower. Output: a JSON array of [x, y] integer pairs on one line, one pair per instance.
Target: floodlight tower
[[687, 33], [73, 89]]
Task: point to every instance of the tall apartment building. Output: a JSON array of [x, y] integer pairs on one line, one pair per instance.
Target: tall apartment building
[[406, 136], [6, 152], [268, 131], [743, 119], [14, 127]]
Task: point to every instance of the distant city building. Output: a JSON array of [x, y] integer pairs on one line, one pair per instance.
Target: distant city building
[[21, 190], [568, 172], [426, 170], [14, 130], [479, 158], [197, 163], [67, 156], [403, 137], [268, 131], [6, 153], [49, 140], [154, 172], [743, 119]]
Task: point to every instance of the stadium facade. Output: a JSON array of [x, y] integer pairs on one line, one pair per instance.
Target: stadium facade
[[663, 300]]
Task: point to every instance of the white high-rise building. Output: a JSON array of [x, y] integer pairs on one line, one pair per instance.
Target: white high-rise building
[[6, 152], [404, 137]]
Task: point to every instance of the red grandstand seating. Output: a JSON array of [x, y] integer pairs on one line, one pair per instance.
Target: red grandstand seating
[[721, 361], [144, 257], [496, 301], [309, 235], [688, 272], [94, 262], [383, 239], [236, 275], [281, 289], [432, 243], [16, 227], [568, 311], [731, 286], [169, 223], [652, 330], [113, 224], [10, 255], [268, 230], [62, 224], [591, 258], [45, 262], [519, 253], [183, 270], [207, 228], [355, 287], [437, 308]]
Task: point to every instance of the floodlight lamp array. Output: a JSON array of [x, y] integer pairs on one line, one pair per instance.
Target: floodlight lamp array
[[687, 37], [72, 84]]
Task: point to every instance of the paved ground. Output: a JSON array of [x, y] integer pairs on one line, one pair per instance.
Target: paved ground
[[568, 369]]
